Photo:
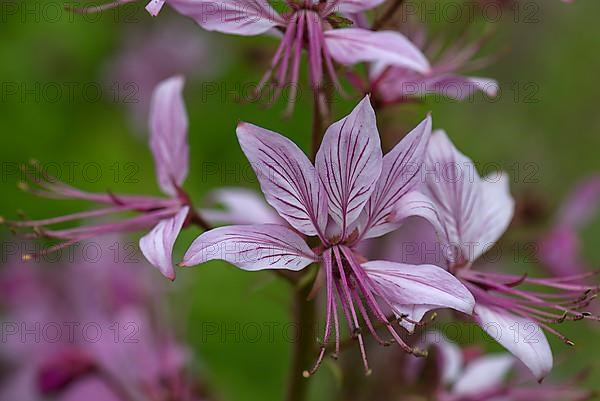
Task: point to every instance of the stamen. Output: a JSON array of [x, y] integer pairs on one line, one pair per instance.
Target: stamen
[[346, 291], [327, 261]]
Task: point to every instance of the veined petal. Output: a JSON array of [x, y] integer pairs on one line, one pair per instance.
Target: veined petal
[[522, 337], [349, 163], [483, 374], [400, 174], [427, 285], [351, 6], [474, 212], [354, 45], [287, 178], [154, 7], [241, 17], [157, 245], [240, 206], [168, 134], [252, 247]]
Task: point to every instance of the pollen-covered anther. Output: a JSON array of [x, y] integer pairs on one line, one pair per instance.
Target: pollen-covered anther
[[419, 352]]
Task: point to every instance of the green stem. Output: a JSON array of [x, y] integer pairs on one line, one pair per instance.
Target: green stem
[[321, 117], [388, 15], [303, 350]]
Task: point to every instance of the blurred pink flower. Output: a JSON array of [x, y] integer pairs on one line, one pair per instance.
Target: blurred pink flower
[[560, 249], [348, 195], [396, 84], [470, 214], [307, 24], [87, 332], [486, 377], [165, 217], [147, 56]]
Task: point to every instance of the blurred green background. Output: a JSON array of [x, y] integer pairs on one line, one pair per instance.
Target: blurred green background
[[543, 129]]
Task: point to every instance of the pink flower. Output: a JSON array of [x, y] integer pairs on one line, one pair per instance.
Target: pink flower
[[348, 195], [395, 84], [485, 377], [307, 24], [470, 214], [127, 353], [147, 56], [560, 249], [165, 217]]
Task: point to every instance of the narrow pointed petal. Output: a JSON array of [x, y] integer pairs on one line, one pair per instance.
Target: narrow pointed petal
[[241, 17], [157, 245], [400, 84], [425, 285], [287, 178], [522, 337], [349, 163], [252, 248], [240, 206], [354, 45], [154, 7], [457, 87], [168, 134], [582, 204], [474, 212], [400, 174], [483, 374]]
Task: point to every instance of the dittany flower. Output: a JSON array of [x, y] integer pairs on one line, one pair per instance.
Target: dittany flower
[[307, 24], [469, 375], [130, 354], [470, 214], [396, 84], [165, 217], [347, 196], [560, 249]]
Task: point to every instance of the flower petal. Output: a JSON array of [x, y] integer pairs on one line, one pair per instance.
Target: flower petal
[[154, 7], [417, 204], [168, 130], [157, 245], [582, 203], [240, 17], [252, 247], [401, 83], [425, 285], [474, 212], [483, 374], [241, 206], [287, 178], [349, 163], [400, 174], [522, 337], [354, 45]]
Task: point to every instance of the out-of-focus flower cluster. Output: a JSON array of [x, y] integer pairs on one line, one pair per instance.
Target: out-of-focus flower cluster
[[89, 330]]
